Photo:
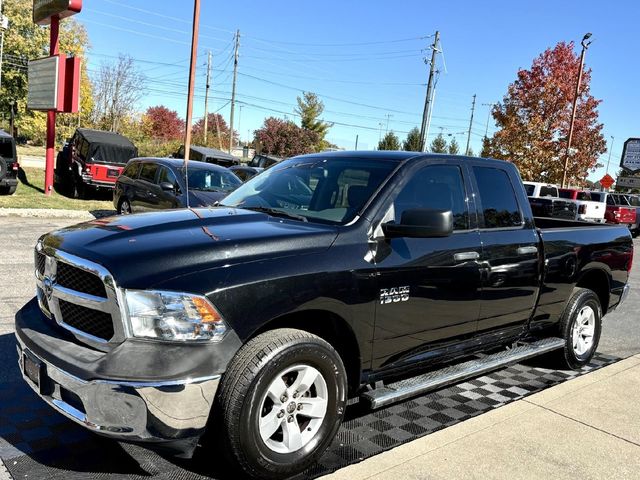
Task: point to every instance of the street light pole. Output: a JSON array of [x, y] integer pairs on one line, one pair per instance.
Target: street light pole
[[610, 150], [585, 45]]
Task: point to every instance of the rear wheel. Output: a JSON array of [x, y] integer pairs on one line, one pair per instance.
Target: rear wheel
[[125, 207], [580, 328], [8, 190], [281, 403]]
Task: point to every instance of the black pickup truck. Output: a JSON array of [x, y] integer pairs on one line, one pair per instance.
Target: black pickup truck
[[329, 276]]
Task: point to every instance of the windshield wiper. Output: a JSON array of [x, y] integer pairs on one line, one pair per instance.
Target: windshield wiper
[[276, 212]]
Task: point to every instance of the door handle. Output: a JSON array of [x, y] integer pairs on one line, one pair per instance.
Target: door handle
[[465, 256], [527, 250]]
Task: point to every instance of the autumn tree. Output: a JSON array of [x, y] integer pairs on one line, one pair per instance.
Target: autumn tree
[[310, 107], [23, 41], [534, 115], [389, 142], [217, 132], [163, 124], [438, 145], [454, 148], [284, 138], [119, 85], [412, 142]]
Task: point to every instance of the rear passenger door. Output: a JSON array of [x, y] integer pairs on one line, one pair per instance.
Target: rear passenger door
[[145, 190], [510, 262]]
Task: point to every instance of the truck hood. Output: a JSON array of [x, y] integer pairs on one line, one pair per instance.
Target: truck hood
[[145, 249]]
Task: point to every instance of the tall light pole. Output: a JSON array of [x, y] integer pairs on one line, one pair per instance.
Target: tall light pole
[[585, 45], [610, 150], [4, 24]]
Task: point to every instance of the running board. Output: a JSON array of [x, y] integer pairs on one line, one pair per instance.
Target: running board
[[411, 387]]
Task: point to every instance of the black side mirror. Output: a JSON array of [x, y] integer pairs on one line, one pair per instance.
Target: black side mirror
[[421, 223], [167, 186]]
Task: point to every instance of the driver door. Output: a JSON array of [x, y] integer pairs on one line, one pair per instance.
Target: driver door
[[429, 287]]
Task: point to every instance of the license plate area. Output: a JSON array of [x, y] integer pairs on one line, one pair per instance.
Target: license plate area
[[33, 369]]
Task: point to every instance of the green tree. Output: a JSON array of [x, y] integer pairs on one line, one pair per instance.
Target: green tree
[[25, 40], [389, 142], [412, 143], [454, 149], [439, 144], [310, 107]]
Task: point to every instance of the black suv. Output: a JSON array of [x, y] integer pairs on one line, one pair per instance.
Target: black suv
[[8, 164], [148, 184]]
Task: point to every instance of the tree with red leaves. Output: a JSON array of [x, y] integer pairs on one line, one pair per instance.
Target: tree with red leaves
[[163, 124], [533, 120], [216, 123], [284, 138]]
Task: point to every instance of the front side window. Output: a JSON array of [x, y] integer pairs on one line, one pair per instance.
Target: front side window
[[167, 175], [148, 172], [325, 191], [497, 198], [131, 170], [436, 187]]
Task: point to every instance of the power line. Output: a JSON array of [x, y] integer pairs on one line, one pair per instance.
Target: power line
[[353, 44]]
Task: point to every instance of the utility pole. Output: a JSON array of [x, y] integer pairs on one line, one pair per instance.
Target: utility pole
[[233, 89], [192, 81], [473, 108], [4, 24], [585, 46], [206, 98], [388, 115], [428, 99], [486, 130], [610, 150]]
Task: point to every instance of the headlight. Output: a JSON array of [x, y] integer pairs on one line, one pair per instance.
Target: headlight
[[173, 316]]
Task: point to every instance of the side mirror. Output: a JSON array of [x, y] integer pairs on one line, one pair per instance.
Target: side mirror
[[167, 186], [421, 223]]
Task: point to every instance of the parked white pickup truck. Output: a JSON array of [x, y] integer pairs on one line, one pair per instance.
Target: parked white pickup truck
[[589, 208], [545, 201]]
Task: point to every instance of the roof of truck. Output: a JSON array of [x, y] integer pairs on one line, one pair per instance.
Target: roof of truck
[[100, 136]]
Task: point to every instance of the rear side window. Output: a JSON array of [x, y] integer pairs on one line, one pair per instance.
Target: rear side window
[[584, 196], [530, 189], [497, 198], [132, 170], [148, 172]]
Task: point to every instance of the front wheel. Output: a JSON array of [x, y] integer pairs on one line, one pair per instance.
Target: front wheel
[[124, 208], [281, 403], [580, 327]]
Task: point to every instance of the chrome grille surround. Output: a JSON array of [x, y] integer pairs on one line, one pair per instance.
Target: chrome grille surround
[[49, 294]]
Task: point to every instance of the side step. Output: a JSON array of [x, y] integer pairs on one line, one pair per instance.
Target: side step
[[411, 387]]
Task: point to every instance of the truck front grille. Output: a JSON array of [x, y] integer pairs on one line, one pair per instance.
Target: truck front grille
[[98, 324], [78, 295], [79, 280]]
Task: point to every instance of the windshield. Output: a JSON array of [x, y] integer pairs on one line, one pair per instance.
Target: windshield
[[326, 191], [210, 180]]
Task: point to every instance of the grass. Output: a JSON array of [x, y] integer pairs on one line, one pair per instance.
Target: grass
[[30, 194], [30, 150]]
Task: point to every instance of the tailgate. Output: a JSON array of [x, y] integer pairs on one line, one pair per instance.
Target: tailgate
[[105, 173]]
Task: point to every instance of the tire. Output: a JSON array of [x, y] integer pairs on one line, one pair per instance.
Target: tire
[[9, 190], [269, 365], [124, 208], [581, 339]]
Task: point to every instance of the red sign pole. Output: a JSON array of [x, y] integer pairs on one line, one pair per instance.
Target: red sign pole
[[51, 114]]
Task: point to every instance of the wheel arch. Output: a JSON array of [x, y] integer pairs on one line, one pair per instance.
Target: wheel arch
[[598, 281], [332, 328]]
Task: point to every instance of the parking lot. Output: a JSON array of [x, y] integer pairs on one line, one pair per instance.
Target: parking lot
[[38, 442]]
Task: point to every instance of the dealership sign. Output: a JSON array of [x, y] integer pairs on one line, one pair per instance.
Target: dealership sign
[[631, 155], [43, 10], [43, 78], [628, 182]]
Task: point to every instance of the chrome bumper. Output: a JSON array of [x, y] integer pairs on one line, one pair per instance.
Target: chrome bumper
[[130, 411]]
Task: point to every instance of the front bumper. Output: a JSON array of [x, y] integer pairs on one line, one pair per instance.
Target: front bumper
[[169, 412]]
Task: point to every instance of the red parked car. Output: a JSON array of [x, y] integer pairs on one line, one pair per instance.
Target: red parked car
[[619, 210]]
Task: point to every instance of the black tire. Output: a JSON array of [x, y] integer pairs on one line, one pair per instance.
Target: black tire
[[243, 395], [80, 189], [568, 357], [124, 207], [9, 190]]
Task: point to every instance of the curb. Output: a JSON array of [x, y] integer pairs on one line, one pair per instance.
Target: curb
[[4, 473], [54, 213]]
